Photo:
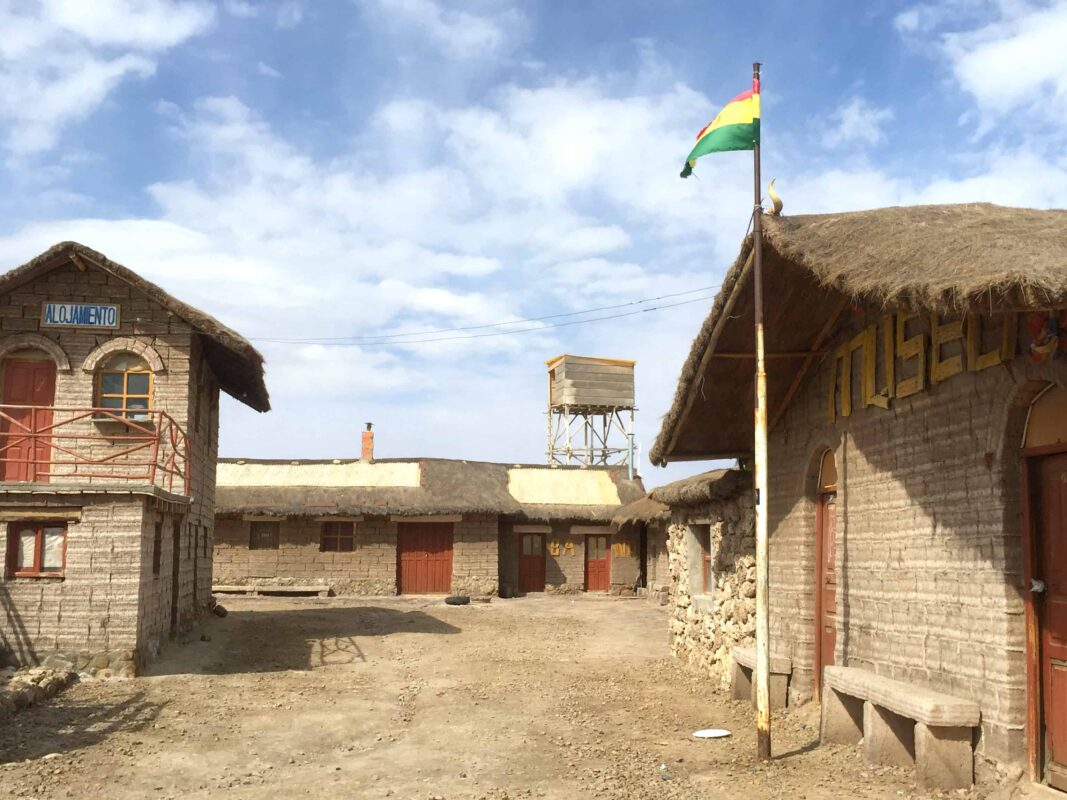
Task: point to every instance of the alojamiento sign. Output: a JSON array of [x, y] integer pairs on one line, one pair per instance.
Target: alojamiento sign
[[80, 315]]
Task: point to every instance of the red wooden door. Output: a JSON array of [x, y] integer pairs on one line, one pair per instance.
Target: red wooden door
[[27, 383], [597, 564], [424, 557], [532, 562], [825, 585], [1052, 613]]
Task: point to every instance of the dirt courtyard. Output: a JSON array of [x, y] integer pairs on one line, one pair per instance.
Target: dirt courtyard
[[540, 697]]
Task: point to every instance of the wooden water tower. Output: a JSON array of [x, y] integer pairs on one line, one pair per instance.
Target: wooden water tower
[[590, 411]]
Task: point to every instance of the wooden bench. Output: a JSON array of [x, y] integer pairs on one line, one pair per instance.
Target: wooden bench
[[741, 683], [316, 589], [901, 724]]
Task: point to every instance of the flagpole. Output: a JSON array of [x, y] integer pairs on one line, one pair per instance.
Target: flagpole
[[762, 671]]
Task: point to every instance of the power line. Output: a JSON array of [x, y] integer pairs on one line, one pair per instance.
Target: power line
[[391, 338], [326, 343]]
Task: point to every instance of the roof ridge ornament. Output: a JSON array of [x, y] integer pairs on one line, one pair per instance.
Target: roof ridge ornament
[[776, 201]]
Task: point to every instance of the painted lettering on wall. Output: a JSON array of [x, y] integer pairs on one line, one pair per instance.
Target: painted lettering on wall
[[912, 356], [557, 548], [79, 315], [621, 549]]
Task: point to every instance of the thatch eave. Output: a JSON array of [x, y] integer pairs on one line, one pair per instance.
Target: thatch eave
[[937, 258], [704, 488]]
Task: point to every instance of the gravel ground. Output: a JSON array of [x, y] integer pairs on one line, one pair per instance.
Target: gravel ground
[[540, 697]]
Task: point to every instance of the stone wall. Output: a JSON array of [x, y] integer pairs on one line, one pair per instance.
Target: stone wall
[[706, 625], [929, 557]]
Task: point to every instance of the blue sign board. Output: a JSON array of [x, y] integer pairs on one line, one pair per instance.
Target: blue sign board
[[79, 315]]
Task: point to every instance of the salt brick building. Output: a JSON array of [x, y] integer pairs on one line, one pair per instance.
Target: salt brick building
[[645, 521], [917, 381], [109, 420], [385, 527]]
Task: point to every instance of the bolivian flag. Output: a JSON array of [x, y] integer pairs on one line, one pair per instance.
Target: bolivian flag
[[736, 128]]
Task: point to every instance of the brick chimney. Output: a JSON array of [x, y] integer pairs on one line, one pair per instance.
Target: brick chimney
[[368, 443]]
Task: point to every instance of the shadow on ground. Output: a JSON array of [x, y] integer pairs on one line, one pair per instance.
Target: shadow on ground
[[62, 727], [302, 639]]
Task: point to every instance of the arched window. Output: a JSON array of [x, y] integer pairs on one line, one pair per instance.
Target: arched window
[[124, 385]]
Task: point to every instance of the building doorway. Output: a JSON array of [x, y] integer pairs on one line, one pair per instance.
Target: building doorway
[[825, 568], [532, 562], [30, 383], [1045, 458], [597, 564], [424, 557]]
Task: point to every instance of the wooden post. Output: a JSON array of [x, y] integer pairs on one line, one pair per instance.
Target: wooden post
[[763, 665]]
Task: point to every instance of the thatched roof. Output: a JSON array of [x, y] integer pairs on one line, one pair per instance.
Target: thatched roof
[[644, 510], [237, 365], [707, 487], [443, 487], [944, 258]]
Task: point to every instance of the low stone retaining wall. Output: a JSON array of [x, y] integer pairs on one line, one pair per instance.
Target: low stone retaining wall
[[121, 664], [26, 687]]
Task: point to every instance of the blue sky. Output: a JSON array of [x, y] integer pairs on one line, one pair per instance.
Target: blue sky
[[358, 167]]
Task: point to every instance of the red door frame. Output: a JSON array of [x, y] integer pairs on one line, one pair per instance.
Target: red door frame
[[524, 587], [1035, 713], [424, 530], [38, 465], [606, 559]]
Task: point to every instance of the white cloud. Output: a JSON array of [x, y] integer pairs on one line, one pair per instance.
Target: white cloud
[[241, 8], [61, 59], [1007, 54], [289, 14], [457, 33], [267, 70], [1018, 61], [856, 122]]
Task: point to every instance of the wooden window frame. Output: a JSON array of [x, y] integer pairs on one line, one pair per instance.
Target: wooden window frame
[[38, 571], [125, 396], [334, 534], [706, 573], [277, 525]]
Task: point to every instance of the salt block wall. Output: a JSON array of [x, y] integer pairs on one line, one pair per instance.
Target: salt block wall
[[658, 574], [928, 539], [369, 569], [474, 556], [94, 607], [625, 560], [706, 626], [564, 563]]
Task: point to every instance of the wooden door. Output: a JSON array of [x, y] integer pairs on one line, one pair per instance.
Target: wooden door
[[532, 562], [424, 557], [825, 585], [1052, 612], [26, 457], [597, 564]]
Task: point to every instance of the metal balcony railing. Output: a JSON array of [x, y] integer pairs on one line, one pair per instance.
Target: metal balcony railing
[[52, 444]]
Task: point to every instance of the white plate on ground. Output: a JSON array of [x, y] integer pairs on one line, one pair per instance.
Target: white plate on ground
[[711, 733]]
